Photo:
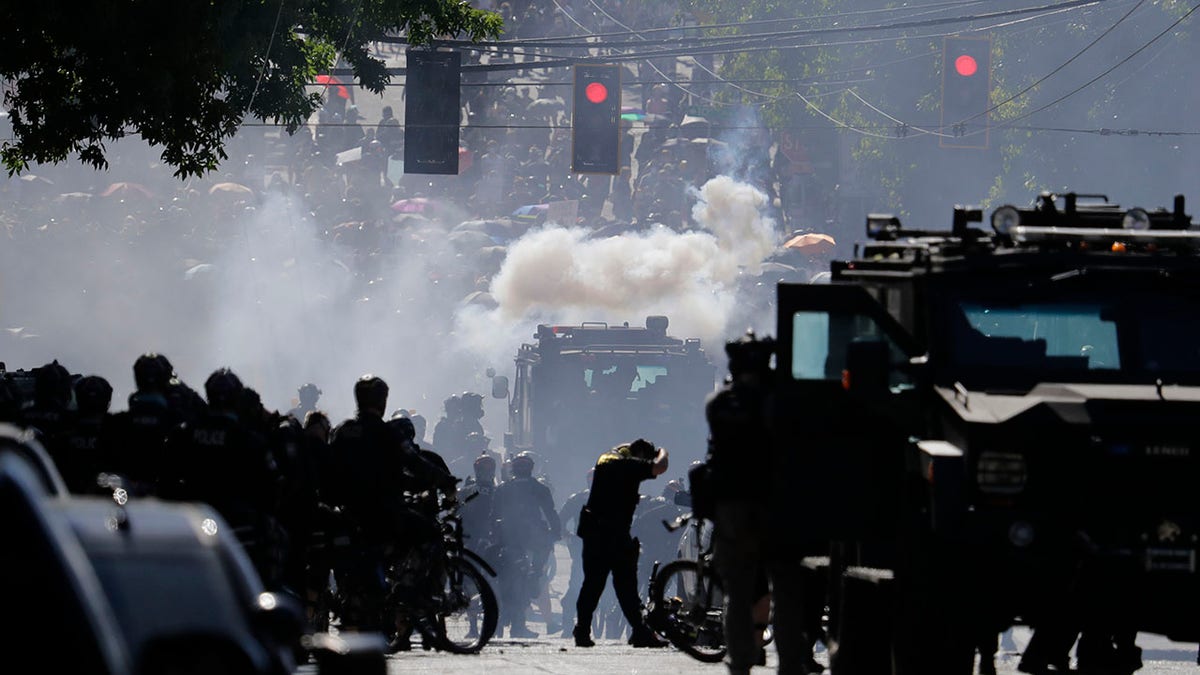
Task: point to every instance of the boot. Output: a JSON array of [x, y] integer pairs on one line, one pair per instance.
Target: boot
[[583, 636]]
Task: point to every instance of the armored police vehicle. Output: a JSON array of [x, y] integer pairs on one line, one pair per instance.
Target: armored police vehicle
[[981, 428], [582, 389]]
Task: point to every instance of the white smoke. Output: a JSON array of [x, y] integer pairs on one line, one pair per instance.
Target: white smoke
[[558, 274]]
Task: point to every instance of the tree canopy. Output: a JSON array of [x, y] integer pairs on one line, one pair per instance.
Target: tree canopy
[[184, 75]]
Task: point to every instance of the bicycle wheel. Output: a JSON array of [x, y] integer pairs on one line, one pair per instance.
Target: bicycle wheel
[[467, 619], [690, 607]]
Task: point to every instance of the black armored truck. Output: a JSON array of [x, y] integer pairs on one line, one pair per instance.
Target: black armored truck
[[977, 428], [581, 389]]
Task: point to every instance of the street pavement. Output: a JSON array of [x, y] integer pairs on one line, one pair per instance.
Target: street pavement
[[553, 654]]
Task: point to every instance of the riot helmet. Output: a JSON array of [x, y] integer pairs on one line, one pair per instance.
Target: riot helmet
[[476, 442], [371, 393], [404, 427], [308, 394], [223, 389], [93, 395], [749, 354], [522, 465], [151, 373], [485, 468], [472, 404], [52, 385]]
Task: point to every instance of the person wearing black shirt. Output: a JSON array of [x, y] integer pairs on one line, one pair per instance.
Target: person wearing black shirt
[[607, 546]]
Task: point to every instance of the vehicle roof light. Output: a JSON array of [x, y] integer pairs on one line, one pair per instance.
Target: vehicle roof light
[[882, 225], [1005, 218], [1136, 219]]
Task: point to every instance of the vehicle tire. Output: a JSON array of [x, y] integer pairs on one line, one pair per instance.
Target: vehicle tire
[[468, 618], [689, 610]]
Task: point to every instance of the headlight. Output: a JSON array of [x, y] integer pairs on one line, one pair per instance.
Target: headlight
[[1136, 219], [1000, 473], [1005, 218]]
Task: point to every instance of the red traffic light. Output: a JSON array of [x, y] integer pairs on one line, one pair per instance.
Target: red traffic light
[[966, 65], [596, 92]]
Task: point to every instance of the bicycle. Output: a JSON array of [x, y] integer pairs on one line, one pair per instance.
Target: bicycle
[[461, 613], [686, 604]]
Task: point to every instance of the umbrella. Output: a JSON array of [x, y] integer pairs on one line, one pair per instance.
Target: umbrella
[[330, 80], [409, 220], [124, 190], [69, 197], [31, 179], [531, 210], [811, 242], [481, 298], [414, 205], [231, 189], [470, 239]]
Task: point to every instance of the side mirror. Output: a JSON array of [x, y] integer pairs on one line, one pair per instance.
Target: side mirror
[[500, 386]]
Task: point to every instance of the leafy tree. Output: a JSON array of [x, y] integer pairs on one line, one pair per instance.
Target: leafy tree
[[183, 75]]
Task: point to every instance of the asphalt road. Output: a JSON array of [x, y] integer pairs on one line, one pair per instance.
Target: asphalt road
[[556, 655]]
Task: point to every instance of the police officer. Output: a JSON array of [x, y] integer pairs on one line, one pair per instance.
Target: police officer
[[82, 447], [308, 394], [141, 431], [739, 454], [478, 491], [220, 460], [568, 517], [528, 525], [604, 526], [51, 412]]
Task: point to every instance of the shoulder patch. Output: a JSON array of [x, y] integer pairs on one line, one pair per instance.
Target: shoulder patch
[[608, 457]]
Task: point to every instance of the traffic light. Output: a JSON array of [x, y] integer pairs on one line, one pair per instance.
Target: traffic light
[[966, 85], [431, 112], [596, 120]]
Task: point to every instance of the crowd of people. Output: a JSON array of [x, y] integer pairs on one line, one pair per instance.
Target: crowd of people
[[279, 478]]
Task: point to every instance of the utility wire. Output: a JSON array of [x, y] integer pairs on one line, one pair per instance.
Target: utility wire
[[1097, 78], [1064, 64], [759, 22], [266, 59], [719, 40]]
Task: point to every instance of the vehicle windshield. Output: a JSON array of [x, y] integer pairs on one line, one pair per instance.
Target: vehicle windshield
[[1118, 337]]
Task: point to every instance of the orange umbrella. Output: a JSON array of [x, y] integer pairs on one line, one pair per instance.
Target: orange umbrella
[[811, 242], [124, 190], [231, 188]]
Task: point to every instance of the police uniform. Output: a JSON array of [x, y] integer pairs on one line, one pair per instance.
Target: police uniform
[[604, 525]]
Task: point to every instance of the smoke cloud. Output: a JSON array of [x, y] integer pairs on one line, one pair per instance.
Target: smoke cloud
[[561, 275]]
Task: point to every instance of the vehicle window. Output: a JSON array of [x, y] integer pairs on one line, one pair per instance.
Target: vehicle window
[[819, 341], [810, 345], [1058, 335], [638, 377]]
